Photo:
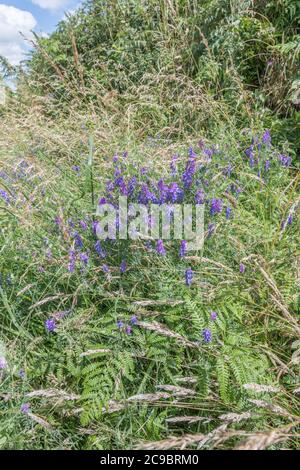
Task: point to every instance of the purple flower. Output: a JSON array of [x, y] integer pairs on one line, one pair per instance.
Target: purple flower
[[200, 197], [175, 193], [213, 316], [163, 191], [123, 188], [266, 138], [84, 257], [120, 324], [78, 240], [228, 212], [188, 174], [102, 201], [128, 330], [105, 268], [110, 186], [216, 206], [207, 335], [183, 246], [160, 248], [118, 177], [208, 152], [173, 165], [285, 160], [3, 363], [5, 196], [145, 195], [290, 219], [72, 261], [242, 268], [249, 152], [123, 267], [83, 225], [189, 277], [192, 153], [50, 325], [267, 165], [22, 374], [131, 185], [25, 408], [99, 250], [133, 320], [76, 168], [95, 224]]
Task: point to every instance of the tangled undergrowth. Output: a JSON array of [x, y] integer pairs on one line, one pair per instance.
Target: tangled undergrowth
[[138, 343]]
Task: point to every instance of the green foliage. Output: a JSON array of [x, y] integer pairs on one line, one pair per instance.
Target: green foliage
[[152, 78], [155, 57]]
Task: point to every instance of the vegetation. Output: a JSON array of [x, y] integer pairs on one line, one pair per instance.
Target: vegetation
[[138, 344]]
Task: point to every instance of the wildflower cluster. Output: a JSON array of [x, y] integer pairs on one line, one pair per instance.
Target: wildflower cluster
[[204, 175]]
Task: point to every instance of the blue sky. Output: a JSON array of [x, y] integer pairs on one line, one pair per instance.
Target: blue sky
[[25, 15]]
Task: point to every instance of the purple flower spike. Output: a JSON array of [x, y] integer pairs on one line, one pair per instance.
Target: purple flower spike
[[5, 196], [189, 277], [100, 251], [25, 408], [200, 197], [285, 160], [128, 330], [189, 172], [123, 267], [83, 225], [105, 268], [228, 212], [207, 336], [72, 261], [120, 324], [175, 193], [173, 165], [133, 320], [50, 325], [213, 316], [160, 248], [84, 257], [183, 246], [216, 206], [266, 138], [242, 268]]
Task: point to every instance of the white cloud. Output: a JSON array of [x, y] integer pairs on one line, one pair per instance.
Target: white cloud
[[13, 21], [51, 4]]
